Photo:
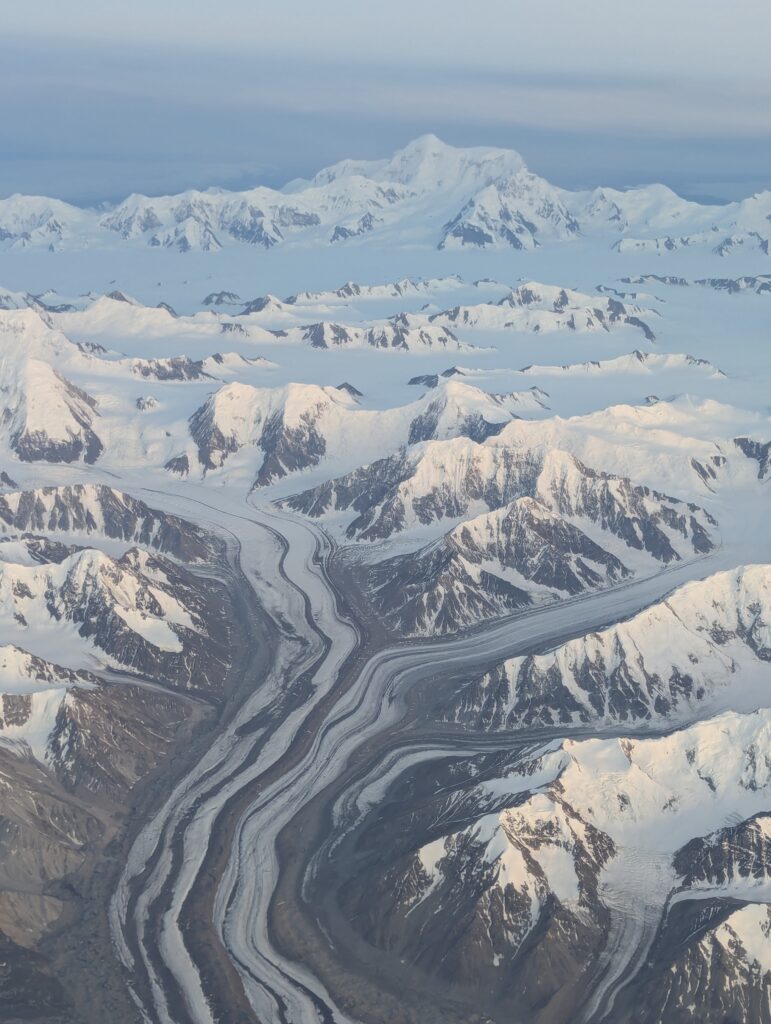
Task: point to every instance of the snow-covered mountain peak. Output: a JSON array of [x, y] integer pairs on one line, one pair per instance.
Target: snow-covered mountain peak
[[674, 787], [298, 425], [535, 293], [453, 389], [45, 415], [545, 308], [485, 198], [31, 333], [427, 163], [22, 672], [705, 648]]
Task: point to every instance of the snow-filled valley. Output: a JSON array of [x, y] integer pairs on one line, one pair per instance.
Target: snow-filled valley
[[385, 601]]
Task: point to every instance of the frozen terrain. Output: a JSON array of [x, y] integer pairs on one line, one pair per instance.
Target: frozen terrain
[[385, 602]]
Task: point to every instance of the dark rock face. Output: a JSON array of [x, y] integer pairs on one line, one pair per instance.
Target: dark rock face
[[92, 737], [83, 443], [285, 448], [257, 305], [617, 505], [458, 881], [60, 812], [179, 464], [360, 490], [236, 329], [740, 851], [757, 450], [86, 599], [532, 545], [223, 298], [107, 737], [469, 234], [43, 549], [378, 493], [363, 226], [635, 321], [759, 284], [698, 964], [425, 427], [502, 213], [462, 579], [543, 548], [289, 448], [431, 592], [575, 312], [624, 674], [174, 368], [620, 692], [680, 282], [254, 233], [458, 926], [95, 508], [38, 447], [706, 470], [474, 909], [396, 334], [213, 445], [323, 335]]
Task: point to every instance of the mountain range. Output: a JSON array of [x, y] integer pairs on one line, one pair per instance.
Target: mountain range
[[428, 192], [385, 602]]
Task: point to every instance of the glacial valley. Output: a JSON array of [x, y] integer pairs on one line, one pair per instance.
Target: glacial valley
[[385, 602]]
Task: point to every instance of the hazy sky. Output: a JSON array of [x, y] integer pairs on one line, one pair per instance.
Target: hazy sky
[[166, 94]]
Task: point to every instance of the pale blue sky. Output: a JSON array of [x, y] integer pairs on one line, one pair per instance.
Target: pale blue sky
[[168, 94]]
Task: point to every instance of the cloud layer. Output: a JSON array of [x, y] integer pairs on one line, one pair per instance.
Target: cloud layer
[[237, 93]]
